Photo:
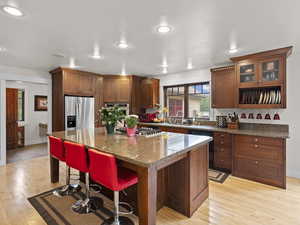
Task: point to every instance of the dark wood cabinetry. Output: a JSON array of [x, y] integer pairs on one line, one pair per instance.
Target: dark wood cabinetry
[[223, 151], [261, 79], [116, 89], [256, 81], [76, 83], [260, 159], [150, 92], [223, 87]]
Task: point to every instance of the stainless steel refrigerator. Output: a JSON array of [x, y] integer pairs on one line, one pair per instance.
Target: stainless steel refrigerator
[[79, 112]]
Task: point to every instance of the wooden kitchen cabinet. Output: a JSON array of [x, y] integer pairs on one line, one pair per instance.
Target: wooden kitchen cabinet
[[223, 87], [260, 159], [222, 151], [116, 89], [149, 92], [261, 79], [79, 84]]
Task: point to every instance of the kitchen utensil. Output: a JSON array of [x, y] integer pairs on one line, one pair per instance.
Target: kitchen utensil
[[221, 121]]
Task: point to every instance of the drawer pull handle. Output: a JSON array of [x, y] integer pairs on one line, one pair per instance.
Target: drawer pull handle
[[255, 146], [222, 149], [256, 162], [255, 140], [222, 142], [222, 135]]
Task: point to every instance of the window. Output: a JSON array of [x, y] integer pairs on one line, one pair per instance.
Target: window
[[197, 97], [21, 105], [175, 101], [199, 101]]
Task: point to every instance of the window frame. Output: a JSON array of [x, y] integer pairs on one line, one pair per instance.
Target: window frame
[[186, 95]]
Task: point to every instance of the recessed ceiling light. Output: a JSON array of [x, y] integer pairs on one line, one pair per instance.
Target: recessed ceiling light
[[163, 29], [164, 65], [13, 11], [96, 56], [2, 49], [72, 63], [122, 45], [233, 50], [165, 70], [190, 66]]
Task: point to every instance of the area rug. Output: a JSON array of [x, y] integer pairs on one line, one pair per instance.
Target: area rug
[[57, 211], [217, 176]]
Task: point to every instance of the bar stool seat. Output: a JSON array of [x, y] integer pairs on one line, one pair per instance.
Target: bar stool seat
[[77, 158], [57, 151], [104, 170]]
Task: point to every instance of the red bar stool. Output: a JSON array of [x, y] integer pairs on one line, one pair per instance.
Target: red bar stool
[[57, 151], [77, 158], [104, 170]]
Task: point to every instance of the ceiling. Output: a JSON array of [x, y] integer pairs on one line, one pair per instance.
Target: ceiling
[[203, 31]]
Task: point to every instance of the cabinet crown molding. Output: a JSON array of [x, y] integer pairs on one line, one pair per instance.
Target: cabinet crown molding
[[287, 51]]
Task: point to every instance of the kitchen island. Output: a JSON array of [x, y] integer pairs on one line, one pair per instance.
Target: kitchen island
[[172, 168]]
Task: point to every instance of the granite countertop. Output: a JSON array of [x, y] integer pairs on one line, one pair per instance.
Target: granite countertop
[[139, 150], [274, 131]]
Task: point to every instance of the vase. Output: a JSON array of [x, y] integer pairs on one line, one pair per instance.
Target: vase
[[131, 131], [110, 128]]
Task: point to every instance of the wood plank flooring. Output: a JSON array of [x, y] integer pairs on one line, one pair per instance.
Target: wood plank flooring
[[235, 202]]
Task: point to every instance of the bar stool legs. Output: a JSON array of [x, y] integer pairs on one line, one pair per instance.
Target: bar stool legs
[[117, 219], [68, 188], [88, 204]]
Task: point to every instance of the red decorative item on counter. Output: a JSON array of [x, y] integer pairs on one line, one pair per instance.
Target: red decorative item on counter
[[267, 116], [259, 116], [276, 116], [251, 116], [148, 117], [243, 116], [131, 131]]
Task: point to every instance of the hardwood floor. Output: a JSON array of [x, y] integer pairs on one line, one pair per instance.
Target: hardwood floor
[[235, 202], [27, 152]]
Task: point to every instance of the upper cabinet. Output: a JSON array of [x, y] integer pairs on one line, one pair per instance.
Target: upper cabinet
[[261, 79], [149, 92], [223, 87], [116, 89]]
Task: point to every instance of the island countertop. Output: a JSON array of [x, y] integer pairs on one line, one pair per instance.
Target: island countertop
[[139, 150]]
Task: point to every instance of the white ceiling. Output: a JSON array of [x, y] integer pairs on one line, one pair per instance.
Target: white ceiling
[[203, 30]]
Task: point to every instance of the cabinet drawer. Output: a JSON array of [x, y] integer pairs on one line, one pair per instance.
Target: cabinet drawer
[[259, 170], [222, 141], [260, 151], [222, 162], [225, 151], [259, 140]]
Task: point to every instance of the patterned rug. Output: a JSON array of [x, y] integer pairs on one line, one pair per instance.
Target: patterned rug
[[57, 211], [217, 176]]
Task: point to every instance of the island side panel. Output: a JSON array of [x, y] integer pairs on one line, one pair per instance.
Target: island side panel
[[54, 169], [198, 165], [187, 182]]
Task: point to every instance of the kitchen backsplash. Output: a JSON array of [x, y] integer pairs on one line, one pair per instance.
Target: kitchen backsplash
[[281, 112]]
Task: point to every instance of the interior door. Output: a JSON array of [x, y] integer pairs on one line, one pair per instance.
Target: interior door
[[11, 118]]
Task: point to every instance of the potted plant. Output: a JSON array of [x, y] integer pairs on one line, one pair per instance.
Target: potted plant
[[110, 116], [131, 123]]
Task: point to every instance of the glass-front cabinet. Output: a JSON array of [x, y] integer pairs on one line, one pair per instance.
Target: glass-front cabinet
[[271, 71], [266, 72], [247, 74]]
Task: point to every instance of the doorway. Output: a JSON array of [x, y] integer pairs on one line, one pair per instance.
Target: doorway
[[14, 116], [26, 124]]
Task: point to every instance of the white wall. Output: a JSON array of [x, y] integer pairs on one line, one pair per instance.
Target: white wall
[[32, 118], [26, 75], [288, 116]]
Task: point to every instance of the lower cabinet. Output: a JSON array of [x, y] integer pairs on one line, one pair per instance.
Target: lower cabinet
[[260, 159], [223, 151]]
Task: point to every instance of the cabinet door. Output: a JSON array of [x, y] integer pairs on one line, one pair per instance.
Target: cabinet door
[[223, 88], [147, 93], [109, 92], [247, 74], [87, 85], [271, 71], [79, 84], [123, 89]]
